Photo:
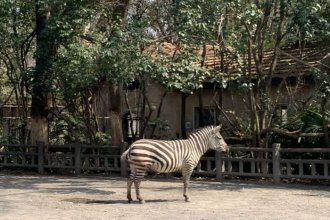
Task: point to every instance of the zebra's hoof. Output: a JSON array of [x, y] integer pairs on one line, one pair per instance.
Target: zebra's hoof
[[130, 200], [142, 201], [186, 199]]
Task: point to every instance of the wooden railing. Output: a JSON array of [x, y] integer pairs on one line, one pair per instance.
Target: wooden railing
[[74, 158], [271, 163], [275, 162]]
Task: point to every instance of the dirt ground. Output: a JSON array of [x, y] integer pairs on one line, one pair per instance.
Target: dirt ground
[[60, 197]]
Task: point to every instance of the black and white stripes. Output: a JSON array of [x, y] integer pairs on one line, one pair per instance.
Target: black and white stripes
[[170, 156]]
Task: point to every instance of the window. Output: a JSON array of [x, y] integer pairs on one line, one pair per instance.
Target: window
[[280, 116], [129, 125], [208, 115]]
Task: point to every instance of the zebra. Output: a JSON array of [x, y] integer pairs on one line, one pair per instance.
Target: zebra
[[163, 156]]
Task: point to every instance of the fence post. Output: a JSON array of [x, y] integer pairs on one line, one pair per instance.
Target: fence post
[[40, 146], [77, 159], [218, 166], [123, 164], [276, 162]]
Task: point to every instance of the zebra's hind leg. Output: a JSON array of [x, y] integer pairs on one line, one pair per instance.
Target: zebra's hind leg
[[137, 181], [130, 180]]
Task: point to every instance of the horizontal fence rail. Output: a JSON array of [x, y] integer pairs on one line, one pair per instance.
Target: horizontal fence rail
[[276, 162]]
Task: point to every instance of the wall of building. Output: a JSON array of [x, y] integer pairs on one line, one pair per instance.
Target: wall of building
[[232, 102]]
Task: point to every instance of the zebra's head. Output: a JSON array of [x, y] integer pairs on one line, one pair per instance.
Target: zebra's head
[[216, 141]]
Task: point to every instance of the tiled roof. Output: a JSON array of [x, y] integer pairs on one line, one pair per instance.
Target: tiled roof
[[288, 62]]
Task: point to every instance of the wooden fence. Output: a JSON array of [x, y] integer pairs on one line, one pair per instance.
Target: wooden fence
[[73, 158], [275, 162]]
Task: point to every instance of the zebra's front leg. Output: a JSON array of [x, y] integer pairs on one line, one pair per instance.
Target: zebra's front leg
[[185, 190], [186, 178], [130, 180]]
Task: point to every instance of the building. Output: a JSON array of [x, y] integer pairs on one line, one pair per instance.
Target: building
[[291, 85]]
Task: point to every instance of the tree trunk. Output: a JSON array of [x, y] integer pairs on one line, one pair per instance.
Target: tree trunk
[[201, 122], [116, 132], [183, 115], [252, 101], [44, 54], [158, 113]]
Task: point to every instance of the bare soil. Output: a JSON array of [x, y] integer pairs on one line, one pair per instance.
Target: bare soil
[[61, 197]]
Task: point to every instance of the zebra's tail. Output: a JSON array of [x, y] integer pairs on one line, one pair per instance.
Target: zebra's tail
[[123, 157]]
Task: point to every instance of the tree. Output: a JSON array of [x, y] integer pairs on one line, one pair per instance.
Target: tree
[[189, 26], [267, 25], [56, 23], [45, 53], [16, 57]]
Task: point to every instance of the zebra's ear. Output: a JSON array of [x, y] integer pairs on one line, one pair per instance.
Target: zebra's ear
[[216, 129]]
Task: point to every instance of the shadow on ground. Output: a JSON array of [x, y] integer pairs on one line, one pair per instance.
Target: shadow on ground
[[105, 202]]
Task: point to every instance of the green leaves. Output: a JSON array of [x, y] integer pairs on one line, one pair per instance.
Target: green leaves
[[323, 80], [312, 121], [79, 72], [181, 72], [195, 22], [308, 21]]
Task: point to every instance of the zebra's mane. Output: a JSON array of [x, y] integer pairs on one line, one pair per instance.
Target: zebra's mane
[[198, 130]]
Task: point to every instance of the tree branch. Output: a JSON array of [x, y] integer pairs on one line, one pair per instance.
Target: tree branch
[[292, 134], [296, 59]]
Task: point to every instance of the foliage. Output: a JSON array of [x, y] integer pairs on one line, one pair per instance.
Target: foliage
[[9, 137], [72, 129], [323, 80], [196, 22], [79, 73], [16, 27], [309, 121], [308, 22], [180, 73]]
